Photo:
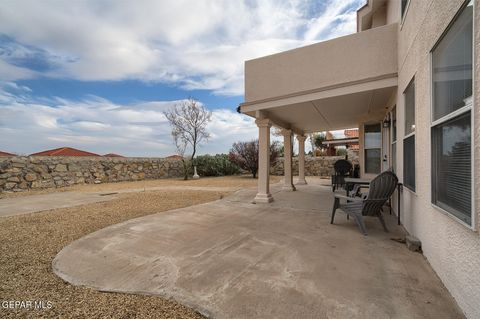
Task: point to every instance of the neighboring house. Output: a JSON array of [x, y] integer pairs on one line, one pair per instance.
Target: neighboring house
[[352, 134], [64, 151], [350, 141], [112, 155], [6, 154], [406, 80], [174, 157]]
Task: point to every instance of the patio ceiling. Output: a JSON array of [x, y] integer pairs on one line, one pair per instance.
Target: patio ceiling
[[331, 113]]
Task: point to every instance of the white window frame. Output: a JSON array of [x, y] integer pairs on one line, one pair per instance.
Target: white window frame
[[365, 148], [402, 17], [405, 136], [393, 142], [460, 111], [386, 151]]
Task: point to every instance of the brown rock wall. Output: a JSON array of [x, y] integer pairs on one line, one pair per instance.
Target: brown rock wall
[[21, 173]]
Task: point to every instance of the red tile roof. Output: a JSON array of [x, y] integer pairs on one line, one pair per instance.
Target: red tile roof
[[64, 151], [6, 154], [112, 155], [174, 157], [351, 133]]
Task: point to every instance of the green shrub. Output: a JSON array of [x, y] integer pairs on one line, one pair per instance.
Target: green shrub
[[218, 165], [341, 152]]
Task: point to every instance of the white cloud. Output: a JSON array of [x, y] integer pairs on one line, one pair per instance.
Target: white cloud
[[228, 127], [9, 72], [321, 26], [100, 126], [192, 44]]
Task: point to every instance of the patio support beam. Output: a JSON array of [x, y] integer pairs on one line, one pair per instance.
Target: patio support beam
[[263, 194], [287, 158], [301, 160], [282, 124]]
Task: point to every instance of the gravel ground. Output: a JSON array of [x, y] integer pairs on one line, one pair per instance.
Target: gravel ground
[[30, 242], [240, 181]]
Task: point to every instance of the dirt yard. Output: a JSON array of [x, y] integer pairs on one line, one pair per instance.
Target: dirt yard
[[30, 242]]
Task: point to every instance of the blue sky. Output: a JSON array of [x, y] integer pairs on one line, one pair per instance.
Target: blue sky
[[97, 75]]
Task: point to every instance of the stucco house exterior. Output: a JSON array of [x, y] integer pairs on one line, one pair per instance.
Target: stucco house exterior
[[409, 80]]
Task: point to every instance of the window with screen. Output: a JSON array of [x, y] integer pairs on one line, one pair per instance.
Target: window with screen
[[451, 118], [409, 138], [409, 162], [373, 142], [394, 138]]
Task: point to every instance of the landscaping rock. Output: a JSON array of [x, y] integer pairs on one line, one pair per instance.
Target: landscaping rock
[[18, 164], [22, 185], [13, 179], [413, 243], [29, 177], [9, 186], [61, 168], [36, 184]]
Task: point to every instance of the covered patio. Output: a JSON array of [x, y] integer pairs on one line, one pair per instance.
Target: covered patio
[[343, 83], [234, 259]]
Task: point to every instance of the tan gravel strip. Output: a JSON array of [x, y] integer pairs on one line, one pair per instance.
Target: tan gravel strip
[[30, 242]]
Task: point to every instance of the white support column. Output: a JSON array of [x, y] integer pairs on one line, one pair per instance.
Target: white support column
[[301, 160], [263, 194], [287, 164]]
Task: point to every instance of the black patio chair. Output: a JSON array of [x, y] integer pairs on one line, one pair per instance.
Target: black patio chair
[[380, 190], [343, 168]]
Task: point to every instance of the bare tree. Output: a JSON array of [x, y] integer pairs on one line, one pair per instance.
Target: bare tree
[[276, 131], [311, 138], [245, 155], [189, 121]]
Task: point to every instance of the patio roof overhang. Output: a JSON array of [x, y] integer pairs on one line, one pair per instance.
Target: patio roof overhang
[[328, 110], [341, 141], [331, 85]]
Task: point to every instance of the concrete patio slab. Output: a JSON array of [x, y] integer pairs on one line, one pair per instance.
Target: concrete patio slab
[[36, 203], [235, 259]]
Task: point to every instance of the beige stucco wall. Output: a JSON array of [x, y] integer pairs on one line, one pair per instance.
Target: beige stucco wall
[[452, 249], [374, 55], [393, 11], [379, 17]]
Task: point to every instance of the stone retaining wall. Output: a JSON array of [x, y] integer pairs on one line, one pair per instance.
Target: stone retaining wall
[[314, 166], [20, 173]]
